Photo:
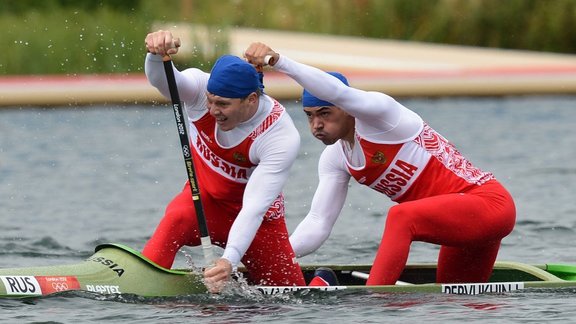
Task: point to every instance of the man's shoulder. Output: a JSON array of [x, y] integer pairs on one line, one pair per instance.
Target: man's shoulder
[[279, 116], [333, 151], [333, 158]]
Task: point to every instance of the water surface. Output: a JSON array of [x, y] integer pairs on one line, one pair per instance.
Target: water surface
[[74, 177]]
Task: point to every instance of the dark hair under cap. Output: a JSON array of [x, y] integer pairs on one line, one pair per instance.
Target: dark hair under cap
[[232, 77], [309, 100]]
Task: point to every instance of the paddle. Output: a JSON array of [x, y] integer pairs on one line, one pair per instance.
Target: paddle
[[363, 275], [187, 153]]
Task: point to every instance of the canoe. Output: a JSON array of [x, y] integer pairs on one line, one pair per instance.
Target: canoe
[[118, 269]]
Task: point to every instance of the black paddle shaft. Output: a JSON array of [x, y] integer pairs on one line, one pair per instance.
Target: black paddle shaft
[[185, 144]]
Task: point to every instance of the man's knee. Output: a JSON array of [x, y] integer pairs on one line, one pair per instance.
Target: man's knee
[[398, 215]]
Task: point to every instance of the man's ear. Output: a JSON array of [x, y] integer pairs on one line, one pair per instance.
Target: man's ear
[[253, 97]]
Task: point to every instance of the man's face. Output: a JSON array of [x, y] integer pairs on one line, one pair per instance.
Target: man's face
[[229, 112], [329, 124]]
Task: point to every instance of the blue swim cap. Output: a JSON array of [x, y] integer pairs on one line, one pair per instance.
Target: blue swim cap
[[308, 100], [232, 77]]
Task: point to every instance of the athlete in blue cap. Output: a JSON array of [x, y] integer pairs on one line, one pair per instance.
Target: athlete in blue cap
[[244, 144], [442, 198]]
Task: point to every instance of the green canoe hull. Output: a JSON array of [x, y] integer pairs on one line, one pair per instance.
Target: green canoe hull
[[118, 269], [113, 269]]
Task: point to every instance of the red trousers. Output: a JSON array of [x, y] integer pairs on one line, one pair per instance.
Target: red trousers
[[269, 260], [468, 226]]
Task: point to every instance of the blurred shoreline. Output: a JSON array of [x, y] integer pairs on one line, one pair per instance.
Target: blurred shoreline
[[398, 68]]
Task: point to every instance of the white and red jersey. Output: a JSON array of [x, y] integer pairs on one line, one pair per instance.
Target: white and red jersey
[[427, 166], [223, 172], [395, 153], [244, 168]]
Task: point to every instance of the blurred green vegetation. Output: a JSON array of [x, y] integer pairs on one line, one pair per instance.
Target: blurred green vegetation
[[106, 36]]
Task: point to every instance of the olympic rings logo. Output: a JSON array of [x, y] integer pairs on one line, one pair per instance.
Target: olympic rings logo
[[186, 150], [60, 286]]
